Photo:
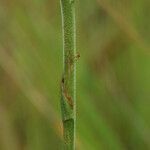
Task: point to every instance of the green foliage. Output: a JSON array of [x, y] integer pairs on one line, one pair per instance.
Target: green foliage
[[113, 73]]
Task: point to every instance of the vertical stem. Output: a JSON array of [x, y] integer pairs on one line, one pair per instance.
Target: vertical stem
[[68, 85]]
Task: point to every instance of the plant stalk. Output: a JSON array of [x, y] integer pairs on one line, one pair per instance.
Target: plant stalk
[[68, 84]]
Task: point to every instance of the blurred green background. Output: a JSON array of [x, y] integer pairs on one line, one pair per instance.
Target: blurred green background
[[113, 75]]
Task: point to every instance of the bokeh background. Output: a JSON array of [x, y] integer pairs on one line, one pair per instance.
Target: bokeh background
[[113, 75]]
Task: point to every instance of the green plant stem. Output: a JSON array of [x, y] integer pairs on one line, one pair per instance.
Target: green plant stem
[[68, 85]]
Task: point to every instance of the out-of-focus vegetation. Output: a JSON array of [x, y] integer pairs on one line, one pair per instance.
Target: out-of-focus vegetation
[[113, 75]]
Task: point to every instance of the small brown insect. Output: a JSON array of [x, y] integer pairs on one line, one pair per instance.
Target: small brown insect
[[77, 56]]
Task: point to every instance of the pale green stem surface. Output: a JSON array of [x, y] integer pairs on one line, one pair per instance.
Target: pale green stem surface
[[68, 85]]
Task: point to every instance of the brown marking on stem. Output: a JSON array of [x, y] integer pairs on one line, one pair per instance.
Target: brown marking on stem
[[66, 95], [72, 61], [70, 64]]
